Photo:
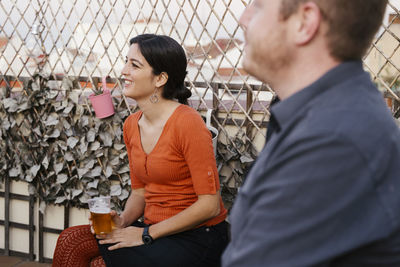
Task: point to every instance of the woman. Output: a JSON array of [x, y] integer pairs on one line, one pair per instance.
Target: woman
[[174, 177]]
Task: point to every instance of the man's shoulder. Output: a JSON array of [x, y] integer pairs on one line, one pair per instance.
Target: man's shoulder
[[352, 108]]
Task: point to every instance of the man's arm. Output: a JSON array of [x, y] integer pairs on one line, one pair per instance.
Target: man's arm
[[314, 200]]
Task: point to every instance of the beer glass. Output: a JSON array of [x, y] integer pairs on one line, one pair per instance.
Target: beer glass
[[100, 213]]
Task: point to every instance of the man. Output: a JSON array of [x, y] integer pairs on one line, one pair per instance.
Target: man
[[325, 190]]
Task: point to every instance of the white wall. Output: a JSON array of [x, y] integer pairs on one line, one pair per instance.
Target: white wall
[[53, 218]]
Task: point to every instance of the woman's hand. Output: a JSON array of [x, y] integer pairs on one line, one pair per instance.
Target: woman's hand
[[126, 237], [117, 221]]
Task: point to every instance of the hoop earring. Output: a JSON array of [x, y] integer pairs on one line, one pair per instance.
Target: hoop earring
[[154, 97]]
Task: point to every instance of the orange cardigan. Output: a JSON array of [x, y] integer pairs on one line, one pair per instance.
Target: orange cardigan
[[180, 167]]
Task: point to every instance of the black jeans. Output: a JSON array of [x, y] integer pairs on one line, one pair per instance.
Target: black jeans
[[202, 246]]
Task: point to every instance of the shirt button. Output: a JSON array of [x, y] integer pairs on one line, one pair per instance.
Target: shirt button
[[209, 173], [207, 229]]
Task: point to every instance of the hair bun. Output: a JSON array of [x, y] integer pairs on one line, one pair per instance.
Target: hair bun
[[182, 94]]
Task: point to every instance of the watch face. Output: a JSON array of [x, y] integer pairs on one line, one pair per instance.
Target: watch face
[[147, 239]]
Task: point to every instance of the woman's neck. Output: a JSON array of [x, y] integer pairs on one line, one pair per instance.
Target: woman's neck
[[154, 113]]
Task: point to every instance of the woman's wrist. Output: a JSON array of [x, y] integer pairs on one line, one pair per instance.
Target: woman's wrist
[[123, 222]]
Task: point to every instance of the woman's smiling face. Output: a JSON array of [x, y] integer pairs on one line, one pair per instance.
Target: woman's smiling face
[[140, 82]]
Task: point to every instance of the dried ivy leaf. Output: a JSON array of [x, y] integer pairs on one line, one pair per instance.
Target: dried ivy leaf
[[67, 84], [89, 164], [62, 178], [123, 169], [125, 178], [69, 132], [53, 134], [31, 189], [58, 167], [66, 124], [34, 170], [83, 145], [108, 171], [19, 118], [61, 106], [72, 141], [99, 153], [28, 177], [117, 129], [124, 195], [23, 107], [93, 184], [62, 145], [91, 135], [95, 172], [52, 119], [123, 155], [84, 198], [106, 138], [10, 104], [60, 200], [114, 161], [74, 96], [42, 207], [25, 129], [69, 156], [68, 109], [92, 193], [119, 146], [76, 192], [94, 146], [37, 131], [51, 173], [84, 121], [104, 188], [246, 159], [115, 190], [82, 172], [45, 162], [15, 172], [5, 124], [50, 94]]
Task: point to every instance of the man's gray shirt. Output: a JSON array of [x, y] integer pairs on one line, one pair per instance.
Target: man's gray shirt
[[325, 190]]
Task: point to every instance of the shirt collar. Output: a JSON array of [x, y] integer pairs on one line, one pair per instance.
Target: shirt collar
[[283, 111]]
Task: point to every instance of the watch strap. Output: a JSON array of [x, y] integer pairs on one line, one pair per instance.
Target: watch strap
[[146, 237]]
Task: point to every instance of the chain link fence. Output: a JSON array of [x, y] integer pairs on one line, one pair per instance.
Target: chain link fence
[[88, 39]]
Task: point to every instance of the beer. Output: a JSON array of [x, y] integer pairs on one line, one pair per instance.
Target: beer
[[100, 214], [101, 220]]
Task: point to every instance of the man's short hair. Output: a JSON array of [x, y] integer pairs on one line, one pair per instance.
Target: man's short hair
[[352, 24]]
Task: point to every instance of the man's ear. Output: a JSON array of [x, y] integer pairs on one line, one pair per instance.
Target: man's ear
[[307, 23], [161, 79]]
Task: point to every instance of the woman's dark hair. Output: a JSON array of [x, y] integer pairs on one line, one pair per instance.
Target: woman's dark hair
[[164, 54]]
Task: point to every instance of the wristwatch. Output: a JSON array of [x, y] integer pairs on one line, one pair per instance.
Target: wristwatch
[[146, 237]]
